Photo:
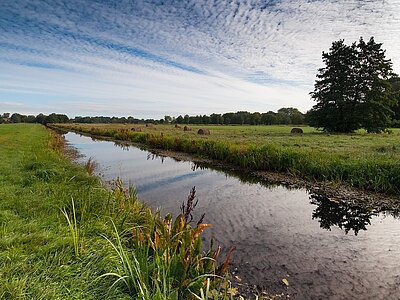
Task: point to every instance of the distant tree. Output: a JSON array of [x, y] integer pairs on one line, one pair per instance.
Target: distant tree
[[283, 116], [56, 118], [298, 118], [16, 118], [186, 119], [228, 118], [242, 117], [205, 119], [168, 119], [4, 117], [255, 118], [179, 120], [290, 115], [352, 90], [216, 119], [269, 118], [30, 119], [40, 118]]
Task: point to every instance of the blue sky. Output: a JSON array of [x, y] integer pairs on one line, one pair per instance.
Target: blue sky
[[149, 58]]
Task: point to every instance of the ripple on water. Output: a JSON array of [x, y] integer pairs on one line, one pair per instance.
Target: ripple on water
[[326, 250]]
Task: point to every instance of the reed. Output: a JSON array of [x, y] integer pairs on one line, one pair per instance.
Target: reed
[[164, 260]]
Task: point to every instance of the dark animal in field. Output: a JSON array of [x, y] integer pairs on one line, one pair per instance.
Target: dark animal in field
[[177, 126], [296, 131], [136, 129], [187, 128], [204, 131]]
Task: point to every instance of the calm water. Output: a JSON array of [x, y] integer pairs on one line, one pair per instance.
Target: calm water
[[326, 250]]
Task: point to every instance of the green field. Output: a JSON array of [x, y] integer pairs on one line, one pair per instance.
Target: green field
[[54, 221], [362, 160]]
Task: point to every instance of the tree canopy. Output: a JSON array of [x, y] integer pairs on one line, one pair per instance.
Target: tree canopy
[[284, 116], [353, 90]]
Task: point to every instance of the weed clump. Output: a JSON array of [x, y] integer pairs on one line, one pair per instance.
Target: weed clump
[[163, 259]]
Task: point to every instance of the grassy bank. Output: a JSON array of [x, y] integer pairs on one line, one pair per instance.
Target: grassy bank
[[362, 160], [64, 236]]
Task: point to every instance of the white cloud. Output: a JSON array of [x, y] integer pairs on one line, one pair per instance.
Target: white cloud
[[180, 56]]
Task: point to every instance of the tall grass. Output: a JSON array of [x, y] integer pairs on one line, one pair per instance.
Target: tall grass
[[90, 166], [73, 228], [164, 259], [52, 253], [314, 156]]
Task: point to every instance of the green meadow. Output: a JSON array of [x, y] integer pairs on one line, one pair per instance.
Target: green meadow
[[65, 236], [362, 160]]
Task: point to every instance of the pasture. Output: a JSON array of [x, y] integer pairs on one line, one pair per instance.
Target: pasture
[[363, 160]]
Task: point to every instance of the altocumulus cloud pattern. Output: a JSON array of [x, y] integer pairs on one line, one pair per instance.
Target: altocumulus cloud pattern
[[150, 58]]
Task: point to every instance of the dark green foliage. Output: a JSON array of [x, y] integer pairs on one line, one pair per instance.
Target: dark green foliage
[[395, 82], [352, 90], [286, 115], [40, 118], [56, 118]]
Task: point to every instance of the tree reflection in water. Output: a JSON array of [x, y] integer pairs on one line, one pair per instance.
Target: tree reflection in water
[[338, 213], [329, 213]]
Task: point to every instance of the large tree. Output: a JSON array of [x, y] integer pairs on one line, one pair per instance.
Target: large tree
[[395, 82], [352, 90]]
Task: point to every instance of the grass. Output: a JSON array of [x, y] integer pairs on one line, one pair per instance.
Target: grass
[[62, 232], [73, 227], [365, 161]]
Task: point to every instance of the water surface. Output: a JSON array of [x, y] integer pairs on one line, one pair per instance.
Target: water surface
[[326, 250]]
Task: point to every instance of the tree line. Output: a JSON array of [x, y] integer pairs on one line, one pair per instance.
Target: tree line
[[40, 118], [284, 116], [356, 89]]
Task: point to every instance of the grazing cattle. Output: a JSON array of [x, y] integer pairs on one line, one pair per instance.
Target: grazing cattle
[[136, 129], [177, 126], [149, 125], [204, 131], [187, 128], [296, 131]]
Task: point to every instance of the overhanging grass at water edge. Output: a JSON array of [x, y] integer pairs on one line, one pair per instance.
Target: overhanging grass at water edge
[[366, 161], [42, 256]]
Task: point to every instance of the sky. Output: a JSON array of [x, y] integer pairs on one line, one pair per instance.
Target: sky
[[150, 58]]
